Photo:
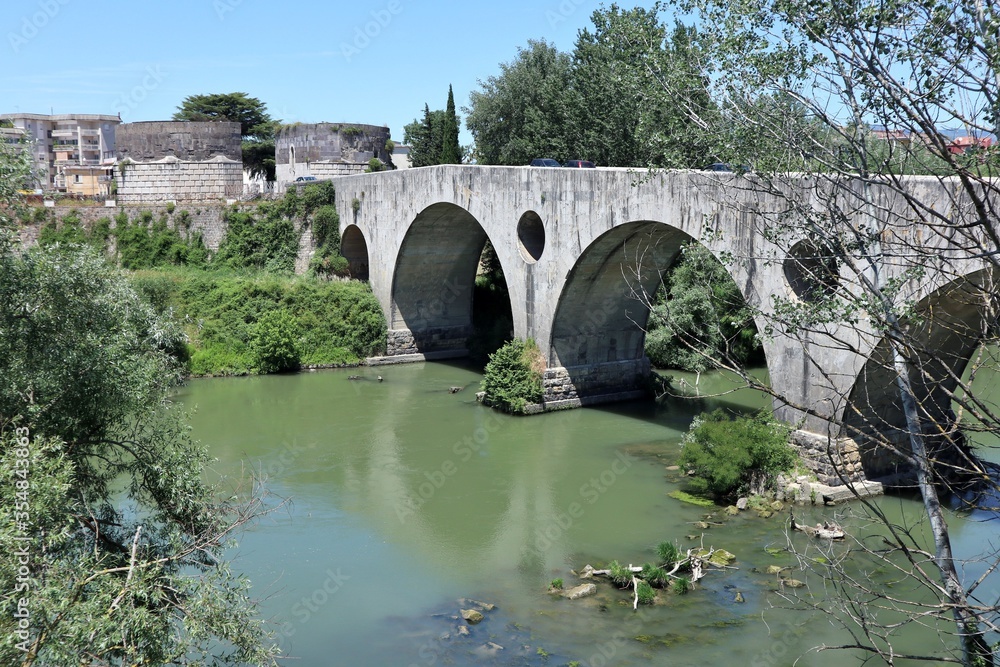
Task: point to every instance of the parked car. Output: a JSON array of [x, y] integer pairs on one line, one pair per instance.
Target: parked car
[[545, 162], [586, 164], [305, 178], [723, 166]]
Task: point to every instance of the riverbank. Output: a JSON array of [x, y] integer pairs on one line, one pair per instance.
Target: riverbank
[[333, 323]]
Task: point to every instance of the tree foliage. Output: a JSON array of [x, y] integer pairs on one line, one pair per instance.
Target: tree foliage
[[513, 376], [275, 342], [700, 317], [256, 125], [736, 456], [433, 139], [125, 539], [525, 111], [451, 152], [602, 102]]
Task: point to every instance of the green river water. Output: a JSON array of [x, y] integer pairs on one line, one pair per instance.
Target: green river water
[[403, 498]]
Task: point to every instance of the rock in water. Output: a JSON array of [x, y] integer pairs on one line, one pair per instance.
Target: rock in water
[[471, 616], [581, 591]]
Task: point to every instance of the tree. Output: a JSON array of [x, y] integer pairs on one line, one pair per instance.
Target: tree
[[699, 316], [602, 102], [525, 111], [434, 138], [256, 126], [451, 153], [115, 541], [425, 138], [240, 108], [854, 96]]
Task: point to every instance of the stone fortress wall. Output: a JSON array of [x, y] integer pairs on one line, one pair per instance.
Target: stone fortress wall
[[325, 150], [180, 161]]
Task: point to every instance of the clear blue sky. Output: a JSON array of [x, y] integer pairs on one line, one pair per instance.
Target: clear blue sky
[[369, 62]]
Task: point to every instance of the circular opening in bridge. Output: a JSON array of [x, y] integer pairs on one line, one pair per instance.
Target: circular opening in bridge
[[812, 271], [354, 248], [531, 236]]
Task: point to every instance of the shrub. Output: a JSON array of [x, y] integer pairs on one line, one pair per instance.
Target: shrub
[[656, 576], [645, 593], [326, 228], [513, 376], [275, 344], [557, 584], [668, 552], [681, 585], [314, 196], [731, 456], [265, 241], [620, 574]]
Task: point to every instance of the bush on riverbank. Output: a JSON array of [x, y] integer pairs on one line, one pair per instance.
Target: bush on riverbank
[[731, 456], [513, 376], [335, 322]]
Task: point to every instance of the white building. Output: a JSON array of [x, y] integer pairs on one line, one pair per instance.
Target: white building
[[67, 140]]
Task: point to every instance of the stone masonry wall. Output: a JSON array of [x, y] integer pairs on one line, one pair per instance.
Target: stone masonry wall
[[403, 341], [833, 460], [594, 379], [184, 140], [209, 220], [176, 180]]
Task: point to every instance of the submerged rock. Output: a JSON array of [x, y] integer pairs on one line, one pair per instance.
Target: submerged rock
[[472, 616], [581, 591]]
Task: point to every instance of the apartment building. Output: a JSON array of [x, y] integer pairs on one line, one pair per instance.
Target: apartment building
[[72, 153]]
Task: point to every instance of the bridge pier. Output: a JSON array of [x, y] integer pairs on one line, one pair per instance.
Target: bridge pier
[[589, 384], [428, 341]]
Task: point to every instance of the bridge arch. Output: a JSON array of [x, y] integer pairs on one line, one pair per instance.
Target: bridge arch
[[947, 327], [433, 282], [597, 344], [354, 248]]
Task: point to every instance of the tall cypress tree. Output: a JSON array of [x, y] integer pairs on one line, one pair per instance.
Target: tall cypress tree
[[450, 151]]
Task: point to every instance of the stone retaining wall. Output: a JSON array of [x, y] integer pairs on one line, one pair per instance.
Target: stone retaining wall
[[171, 179], [209, 220]]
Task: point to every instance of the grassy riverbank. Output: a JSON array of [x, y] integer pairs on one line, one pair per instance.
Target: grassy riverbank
[[335, 322]]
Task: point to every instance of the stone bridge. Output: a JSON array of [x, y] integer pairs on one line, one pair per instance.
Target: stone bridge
[[580, 247]]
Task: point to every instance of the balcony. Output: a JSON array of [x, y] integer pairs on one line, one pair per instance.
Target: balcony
[[91, 148]]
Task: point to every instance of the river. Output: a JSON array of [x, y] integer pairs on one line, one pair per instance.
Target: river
[[402, 498]]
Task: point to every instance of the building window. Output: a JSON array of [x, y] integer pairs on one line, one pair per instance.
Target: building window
[[76, 178]]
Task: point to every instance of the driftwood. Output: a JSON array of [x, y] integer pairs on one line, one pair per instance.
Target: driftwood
[[694, 559], [823, 531]]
